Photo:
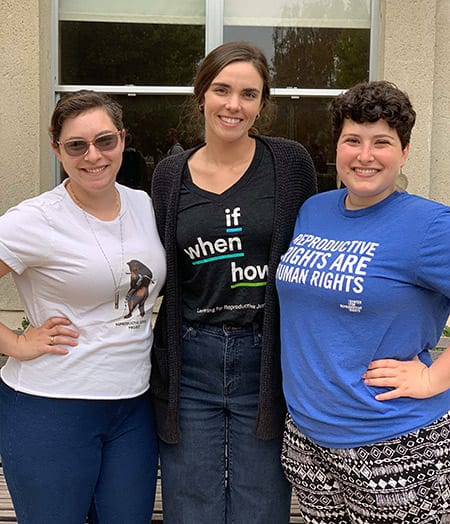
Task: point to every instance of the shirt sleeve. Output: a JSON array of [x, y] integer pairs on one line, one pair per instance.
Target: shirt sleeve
[[25, 237], [434, 257]]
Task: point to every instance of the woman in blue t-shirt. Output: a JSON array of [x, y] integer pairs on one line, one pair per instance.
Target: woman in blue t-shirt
[[364, 295]]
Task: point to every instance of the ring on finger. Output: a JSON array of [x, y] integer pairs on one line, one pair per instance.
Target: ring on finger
[[52, 340]]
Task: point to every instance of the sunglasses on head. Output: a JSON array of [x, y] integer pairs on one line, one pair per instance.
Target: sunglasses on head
[[79, 147]]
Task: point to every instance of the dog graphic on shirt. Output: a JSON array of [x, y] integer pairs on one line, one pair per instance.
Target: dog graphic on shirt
[[140, 278]]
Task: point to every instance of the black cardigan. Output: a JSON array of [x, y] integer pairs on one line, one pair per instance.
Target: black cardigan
[[295, 181]]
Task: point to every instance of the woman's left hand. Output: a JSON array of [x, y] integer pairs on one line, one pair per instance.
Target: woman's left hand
[[407, 379]]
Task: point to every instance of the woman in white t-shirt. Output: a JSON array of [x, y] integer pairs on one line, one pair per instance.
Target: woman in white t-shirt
[[76, 425]]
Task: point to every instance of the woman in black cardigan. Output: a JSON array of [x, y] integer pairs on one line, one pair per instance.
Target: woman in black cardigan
[[225, 212]]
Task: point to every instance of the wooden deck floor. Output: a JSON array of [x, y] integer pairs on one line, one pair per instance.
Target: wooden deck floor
[[6, 508], [7, 513]]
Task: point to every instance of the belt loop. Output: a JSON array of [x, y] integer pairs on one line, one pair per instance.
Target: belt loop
[[190, 328], [257, 333]]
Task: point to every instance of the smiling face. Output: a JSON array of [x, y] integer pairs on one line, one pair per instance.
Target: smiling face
[[232, 102], [96, 170], [368, 160]]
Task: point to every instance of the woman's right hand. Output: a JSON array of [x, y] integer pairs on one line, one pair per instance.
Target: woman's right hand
[[38, 341]]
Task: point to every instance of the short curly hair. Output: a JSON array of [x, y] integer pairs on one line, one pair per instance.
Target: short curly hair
[[372, 101]]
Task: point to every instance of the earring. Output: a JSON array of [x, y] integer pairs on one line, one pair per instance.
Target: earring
[[201, 108], [401, 182]]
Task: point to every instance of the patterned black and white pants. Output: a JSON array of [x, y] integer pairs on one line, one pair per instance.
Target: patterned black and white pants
[[405, 480]]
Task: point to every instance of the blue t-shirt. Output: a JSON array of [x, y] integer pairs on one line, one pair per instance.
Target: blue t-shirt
[[357, 286]]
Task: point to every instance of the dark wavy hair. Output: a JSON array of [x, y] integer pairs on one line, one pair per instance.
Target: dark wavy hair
[[71, 105], [372, 101]]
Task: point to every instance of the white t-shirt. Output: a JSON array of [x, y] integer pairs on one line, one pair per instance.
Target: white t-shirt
[[67, 263]]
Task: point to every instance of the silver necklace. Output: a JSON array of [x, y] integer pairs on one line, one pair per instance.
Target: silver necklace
[[118, 281]]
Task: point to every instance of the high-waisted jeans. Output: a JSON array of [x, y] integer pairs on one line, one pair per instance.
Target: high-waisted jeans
[[65, 458], [220, 473]]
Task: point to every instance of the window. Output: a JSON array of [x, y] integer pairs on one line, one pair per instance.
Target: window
[[110, 42], [310, 43], [145, 54]]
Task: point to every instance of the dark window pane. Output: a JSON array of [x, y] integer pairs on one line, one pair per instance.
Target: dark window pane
[[310, 57], [307, 121], [118, 53], [147, 118]]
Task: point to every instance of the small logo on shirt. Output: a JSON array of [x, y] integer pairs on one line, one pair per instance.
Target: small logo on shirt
[[140, 279], [353, 306]]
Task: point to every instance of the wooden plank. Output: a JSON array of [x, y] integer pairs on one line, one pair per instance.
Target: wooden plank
[[7, 513]]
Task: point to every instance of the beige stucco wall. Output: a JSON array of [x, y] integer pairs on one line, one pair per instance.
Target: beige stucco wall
[[440, 150], [415, 54], [24, 108]]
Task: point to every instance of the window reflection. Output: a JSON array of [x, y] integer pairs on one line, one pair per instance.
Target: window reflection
[[107, 53], [308, 43], [310, 57], [147, 119], [307, 121]]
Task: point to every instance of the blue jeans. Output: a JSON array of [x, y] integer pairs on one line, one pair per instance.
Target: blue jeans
[[219, 472], [65, 458]]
